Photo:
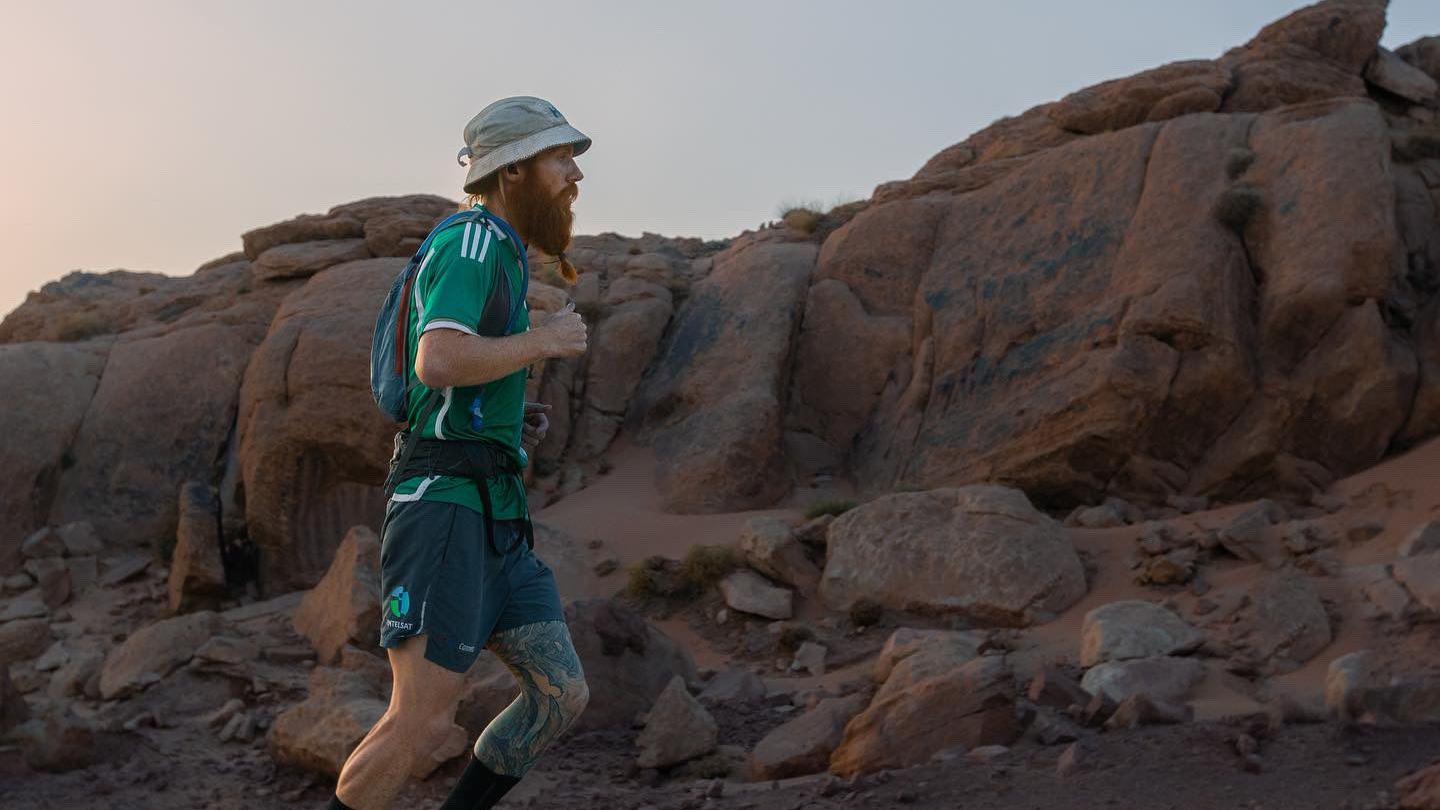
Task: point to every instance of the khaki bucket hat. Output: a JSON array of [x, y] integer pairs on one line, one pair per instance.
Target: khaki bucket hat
[[511, 130]]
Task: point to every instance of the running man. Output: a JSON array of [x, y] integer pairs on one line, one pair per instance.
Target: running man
[[457, 569]]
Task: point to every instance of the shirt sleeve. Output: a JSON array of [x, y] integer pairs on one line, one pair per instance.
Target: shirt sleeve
[[457, 278]]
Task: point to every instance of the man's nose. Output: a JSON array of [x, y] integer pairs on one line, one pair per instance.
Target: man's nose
[[575, 174]]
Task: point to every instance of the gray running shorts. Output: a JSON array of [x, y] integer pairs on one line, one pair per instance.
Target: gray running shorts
[[439, 578]]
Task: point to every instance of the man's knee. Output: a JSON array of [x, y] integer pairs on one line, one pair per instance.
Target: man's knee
[[421, 730], [574, 699]]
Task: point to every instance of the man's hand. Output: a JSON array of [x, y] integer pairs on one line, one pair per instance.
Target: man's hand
[[564, 333], [536, 423]]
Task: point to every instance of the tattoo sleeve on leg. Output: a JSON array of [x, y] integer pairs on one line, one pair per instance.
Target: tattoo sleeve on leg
[[553, 692]]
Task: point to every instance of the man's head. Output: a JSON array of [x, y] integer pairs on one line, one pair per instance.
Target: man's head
[[522, 156], [536, 195]]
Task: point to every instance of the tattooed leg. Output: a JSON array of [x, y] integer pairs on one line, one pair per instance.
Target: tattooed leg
[[553, 693]]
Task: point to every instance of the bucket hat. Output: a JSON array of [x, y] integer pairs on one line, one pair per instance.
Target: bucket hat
[[511, 130]]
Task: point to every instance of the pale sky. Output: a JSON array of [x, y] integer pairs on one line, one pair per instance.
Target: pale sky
[[147, 135]]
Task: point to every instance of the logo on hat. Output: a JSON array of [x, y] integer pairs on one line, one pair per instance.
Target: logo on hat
[[399, 602], [553, 112]]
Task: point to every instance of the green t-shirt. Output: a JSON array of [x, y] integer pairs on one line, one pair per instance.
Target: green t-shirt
[[451, 287]]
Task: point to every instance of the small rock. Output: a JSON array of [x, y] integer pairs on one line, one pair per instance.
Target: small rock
[[987, 754], [80, 539], [1053, 688], [733, 685], [1244, 536], [17, 582], [1188, 505], [28, 605], [44, 542], [677, 728], [1051, 728], [1424, 539], [223, 714], [810, 656], [1363, 530], [124, 568], [52, 659], [1074, 760], [1139, 710], [748, 592], [228, 650], [288, 654], [606, 566], [1245, 745]]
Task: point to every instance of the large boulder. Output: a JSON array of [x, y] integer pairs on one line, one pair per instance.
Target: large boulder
[[945, 647], [1383, 687], [1061, 312], [1394, 75], [928, 705], [804, 745], [1165, 92], [979, 551], [748, 592], [1318, 52], [625, 658], [1134, 629], [1420, 575], [47, 416], [1162, 679], [624, 340], [313, 446], [345, 607], [1420, 790], [713, 404], [1283, 625], [770, 547], [154, 651], [185, 377], [1423, 53], [304, 259]]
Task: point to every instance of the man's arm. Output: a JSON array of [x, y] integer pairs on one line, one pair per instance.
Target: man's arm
[[449, 357]]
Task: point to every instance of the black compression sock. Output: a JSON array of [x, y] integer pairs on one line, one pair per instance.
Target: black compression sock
[[336, 804], [478, 788], [502, 786]]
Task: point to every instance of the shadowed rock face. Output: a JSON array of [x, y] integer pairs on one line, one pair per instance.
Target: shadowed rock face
[[313, 446], [1131, 291]]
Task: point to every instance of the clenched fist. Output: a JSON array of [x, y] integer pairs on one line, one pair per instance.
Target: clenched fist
[[564, 333]]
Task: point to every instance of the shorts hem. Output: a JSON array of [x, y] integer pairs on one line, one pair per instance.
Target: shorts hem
[[546, 617], [435, 653]]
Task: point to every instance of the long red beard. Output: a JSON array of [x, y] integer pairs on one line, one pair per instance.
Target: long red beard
[[545, 222]]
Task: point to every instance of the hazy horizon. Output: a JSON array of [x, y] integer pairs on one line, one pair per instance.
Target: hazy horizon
[[149, 137]]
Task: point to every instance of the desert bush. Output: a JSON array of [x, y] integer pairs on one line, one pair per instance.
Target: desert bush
[[792, 636], [1238, 205], [704, 566], [1238, 162], [82, 325], [865, 612], [836, 507]]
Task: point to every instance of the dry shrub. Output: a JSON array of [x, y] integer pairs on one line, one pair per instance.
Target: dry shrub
[[1238, 205]]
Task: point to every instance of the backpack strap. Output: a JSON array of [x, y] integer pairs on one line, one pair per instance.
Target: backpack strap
[[402, 320]]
